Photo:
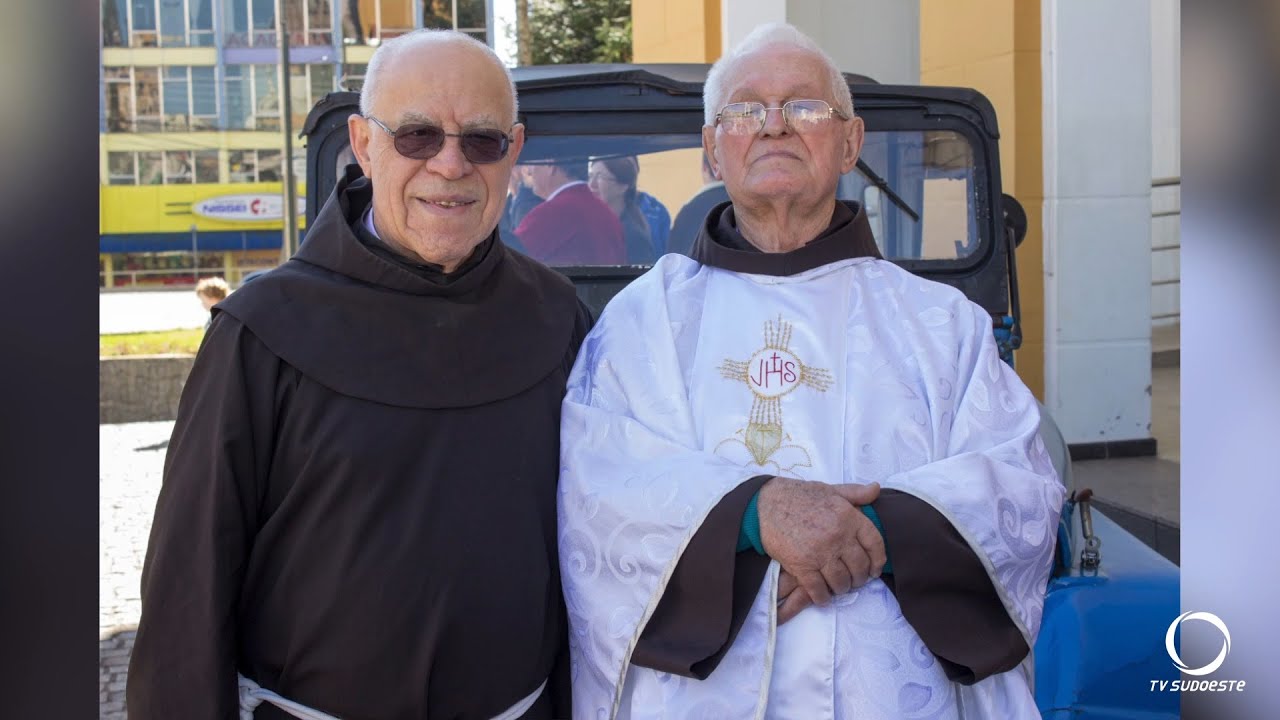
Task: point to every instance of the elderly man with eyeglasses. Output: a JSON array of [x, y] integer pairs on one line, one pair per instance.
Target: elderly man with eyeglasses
[[357, 518], [797, 481]]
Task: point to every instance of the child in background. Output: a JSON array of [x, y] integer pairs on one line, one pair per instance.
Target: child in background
[[211, 291]]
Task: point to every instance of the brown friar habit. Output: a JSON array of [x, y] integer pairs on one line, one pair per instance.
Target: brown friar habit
[[358, 507], [940, 584]]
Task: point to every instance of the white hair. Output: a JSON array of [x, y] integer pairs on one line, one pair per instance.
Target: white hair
[[714, 91], [416, 39]]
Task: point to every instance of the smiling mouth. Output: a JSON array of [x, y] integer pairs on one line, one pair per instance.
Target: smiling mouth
[[448, 203]]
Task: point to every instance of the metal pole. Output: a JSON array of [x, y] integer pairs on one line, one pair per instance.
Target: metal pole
[[289, 244], [195, 254]]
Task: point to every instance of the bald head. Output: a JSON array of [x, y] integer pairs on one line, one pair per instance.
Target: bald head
[[408, 53]]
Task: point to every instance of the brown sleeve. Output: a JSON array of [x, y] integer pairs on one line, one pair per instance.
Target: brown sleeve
[[707, 600], [945, 593]]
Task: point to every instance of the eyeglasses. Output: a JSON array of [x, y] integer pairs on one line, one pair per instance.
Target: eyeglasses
[[802, 116], [420, 141]]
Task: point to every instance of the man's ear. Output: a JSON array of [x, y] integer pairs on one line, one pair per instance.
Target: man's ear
[[517, 142], [852, 144], [709, 147], [358, 131]]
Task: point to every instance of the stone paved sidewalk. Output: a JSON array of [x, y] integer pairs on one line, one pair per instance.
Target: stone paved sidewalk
[[130, 463]]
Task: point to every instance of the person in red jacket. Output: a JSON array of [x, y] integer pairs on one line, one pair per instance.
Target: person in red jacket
[[572, 226]]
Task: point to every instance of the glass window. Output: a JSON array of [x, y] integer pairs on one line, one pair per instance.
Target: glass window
[[144, 24], [396, 18], [319, 22], [356, 23], [206, 166], [119, 99], [177, 106], [239, 97], [121, 168], [321, 84], [204, 99], [269, 168], [242, 166], [437, 14], [471, 15], [295, 17], [173, 23], [264, 23], [150, 168], [927, 211], [177, 167], [201, 22], [298, 95], [236, 23], [115, 23], [352, 76], [146, 82], [266, 99]]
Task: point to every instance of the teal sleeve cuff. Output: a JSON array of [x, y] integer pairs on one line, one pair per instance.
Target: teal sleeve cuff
[[871, 514], [749, 533]]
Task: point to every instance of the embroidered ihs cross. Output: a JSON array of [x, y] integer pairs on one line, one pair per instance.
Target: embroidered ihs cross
[[773, 371]]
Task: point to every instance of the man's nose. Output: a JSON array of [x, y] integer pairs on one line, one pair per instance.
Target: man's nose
[[450, 162], [774, 122]]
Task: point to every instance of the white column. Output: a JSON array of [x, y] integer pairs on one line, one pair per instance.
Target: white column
[[739, 17], [1097, 153], [502, 30], [876, 38]]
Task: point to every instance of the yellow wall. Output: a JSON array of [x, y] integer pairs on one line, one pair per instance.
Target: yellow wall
[[675, 31], [994, 46], [167, 208]]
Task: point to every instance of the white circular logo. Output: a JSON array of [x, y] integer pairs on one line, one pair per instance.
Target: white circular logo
[[773, 372], [1213, 620]]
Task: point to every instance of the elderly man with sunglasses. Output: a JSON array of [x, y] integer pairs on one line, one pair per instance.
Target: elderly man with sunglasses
[[797, 481], [357, 518]]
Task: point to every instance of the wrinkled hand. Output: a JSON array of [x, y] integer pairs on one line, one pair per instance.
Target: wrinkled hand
[[818, 535]]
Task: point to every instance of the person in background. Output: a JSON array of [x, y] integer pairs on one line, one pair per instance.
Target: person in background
[[659, 219], [689, 220], [211, 291], [571, 226], [520, 200], [613, 180]]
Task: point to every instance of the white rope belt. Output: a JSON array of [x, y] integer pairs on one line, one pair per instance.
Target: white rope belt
[[252, 695]]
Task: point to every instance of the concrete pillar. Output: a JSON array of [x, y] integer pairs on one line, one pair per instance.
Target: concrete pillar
[[876, 38], [1097, 171]]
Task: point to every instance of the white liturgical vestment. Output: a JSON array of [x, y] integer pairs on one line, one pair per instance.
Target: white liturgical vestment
[[697, 378]]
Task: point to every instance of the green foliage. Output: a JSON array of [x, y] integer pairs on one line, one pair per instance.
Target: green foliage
[[580, 31]]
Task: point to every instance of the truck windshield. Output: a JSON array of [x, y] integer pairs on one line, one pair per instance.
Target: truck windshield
[[918, 188]]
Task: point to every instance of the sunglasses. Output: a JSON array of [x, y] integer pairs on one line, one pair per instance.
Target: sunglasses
[[802, 116], [420, 141]]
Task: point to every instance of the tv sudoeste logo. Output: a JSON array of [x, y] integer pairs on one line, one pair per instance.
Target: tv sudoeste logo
[[1197, 685]]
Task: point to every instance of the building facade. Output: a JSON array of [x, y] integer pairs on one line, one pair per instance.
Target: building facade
[[190, 122]]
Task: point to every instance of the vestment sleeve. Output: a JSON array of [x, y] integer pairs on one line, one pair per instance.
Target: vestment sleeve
[[711, 590], [971, 534], [185, 654]]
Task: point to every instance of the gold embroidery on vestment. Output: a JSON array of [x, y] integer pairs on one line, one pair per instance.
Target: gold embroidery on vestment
[[770, 373]]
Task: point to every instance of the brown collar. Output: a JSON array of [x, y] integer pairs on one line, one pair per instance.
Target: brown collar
[[720, 243]]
